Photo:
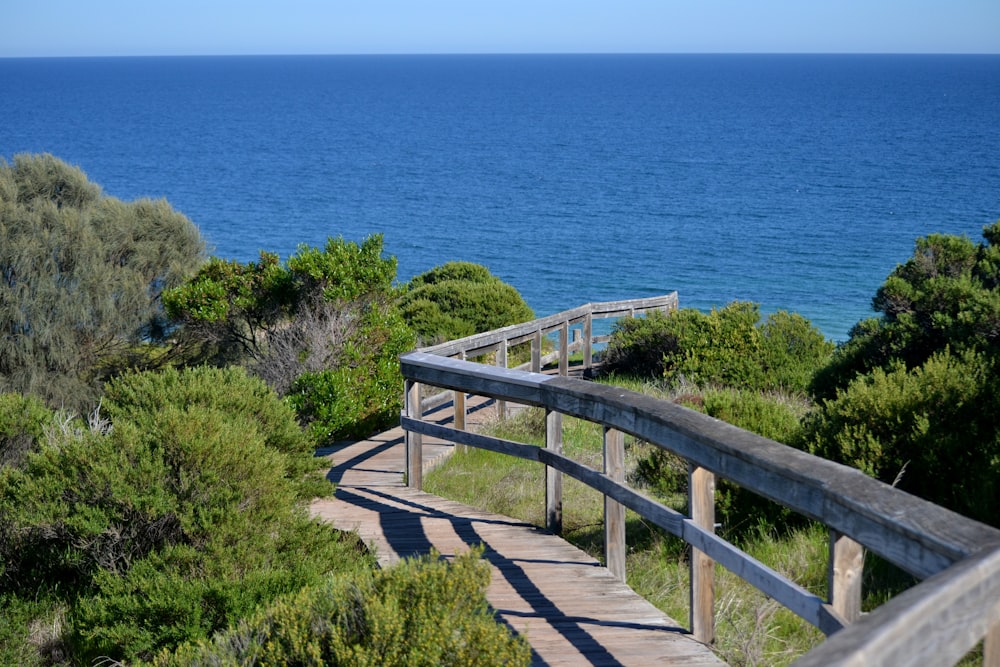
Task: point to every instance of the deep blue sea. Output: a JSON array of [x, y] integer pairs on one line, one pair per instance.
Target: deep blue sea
[[797, 182]]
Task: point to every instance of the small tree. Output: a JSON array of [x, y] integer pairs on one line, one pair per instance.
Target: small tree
[[323, 330], [911, 397], [80, 280], [947, 295]]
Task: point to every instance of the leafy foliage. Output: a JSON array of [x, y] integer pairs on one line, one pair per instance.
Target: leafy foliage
[[323, 330], [458, 299], [362, 393], [80, 280], [23, 420], [932, 430], [421, 612], [727, 347], [911, 397], [184, 516], [946, 295]]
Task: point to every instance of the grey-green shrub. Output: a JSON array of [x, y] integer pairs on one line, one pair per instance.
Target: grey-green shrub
[[80, 279]]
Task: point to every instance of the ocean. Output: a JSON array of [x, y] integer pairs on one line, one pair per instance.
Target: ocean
[[794, 181]]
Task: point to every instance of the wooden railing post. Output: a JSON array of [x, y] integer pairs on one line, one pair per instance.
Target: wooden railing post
[[553, 478], [701, 490], [564, 349], [847, 562], [502, 363], [991, 647], [614, 512], [460, 411], [414, 441], [588, 342]]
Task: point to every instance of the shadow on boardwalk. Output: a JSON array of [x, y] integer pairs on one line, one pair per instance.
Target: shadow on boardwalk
[[570, 608]]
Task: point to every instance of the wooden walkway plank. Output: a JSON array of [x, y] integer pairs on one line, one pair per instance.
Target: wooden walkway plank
[[572, 610]]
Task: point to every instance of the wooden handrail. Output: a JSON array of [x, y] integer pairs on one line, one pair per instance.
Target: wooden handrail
[[959, 558]]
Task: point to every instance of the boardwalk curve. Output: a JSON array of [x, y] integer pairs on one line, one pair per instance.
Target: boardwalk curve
[[570, 608]]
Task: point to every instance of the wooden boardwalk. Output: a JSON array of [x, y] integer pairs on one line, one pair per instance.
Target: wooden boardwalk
[[570, 608]]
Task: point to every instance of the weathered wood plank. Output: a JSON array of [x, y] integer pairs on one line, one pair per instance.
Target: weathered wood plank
[[483, 342], [801, 602], [414, 449]]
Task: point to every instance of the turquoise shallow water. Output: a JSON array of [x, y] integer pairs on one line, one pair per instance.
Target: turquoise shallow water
[[797, 182]]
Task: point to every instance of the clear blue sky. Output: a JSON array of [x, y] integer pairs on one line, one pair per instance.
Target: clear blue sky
[[210, 27]]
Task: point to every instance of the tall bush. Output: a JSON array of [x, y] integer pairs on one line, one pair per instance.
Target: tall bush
[[947, 294], [80, 280]]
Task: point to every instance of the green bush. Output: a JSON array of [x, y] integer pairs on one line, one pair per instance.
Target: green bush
[[459, 299], [946, 295], [932, 430], [727, 347], [23, 420], [139, 398], [422, 612], [185, 516], [363, 393], [324, 331]]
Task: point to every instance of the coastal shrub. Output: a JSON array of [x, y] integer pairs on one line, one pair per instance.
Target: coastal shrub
[[140, 398], [319, 330], [23, 420], [422, 612], [458, 299], [726, 347], [947, 294], [932, 430], [81, 275], [362, 393], [183, 517]]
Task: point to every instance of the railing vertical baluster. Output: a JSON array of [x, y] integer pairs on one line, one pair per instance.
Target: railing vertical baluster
[[564, 349], [701, 490], [536, 352], [847, 562], [588, 342], [553, 478], [614, 512], [460, 412], [502, 363], [414, 441], [991, 647]]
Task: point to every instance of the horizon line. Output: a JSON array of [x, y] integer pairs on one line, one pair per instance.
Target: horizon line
[[504, 53]]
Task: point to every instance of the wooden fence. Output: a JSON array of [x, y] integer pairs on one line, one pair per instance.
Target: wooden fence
[[936, 622]]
